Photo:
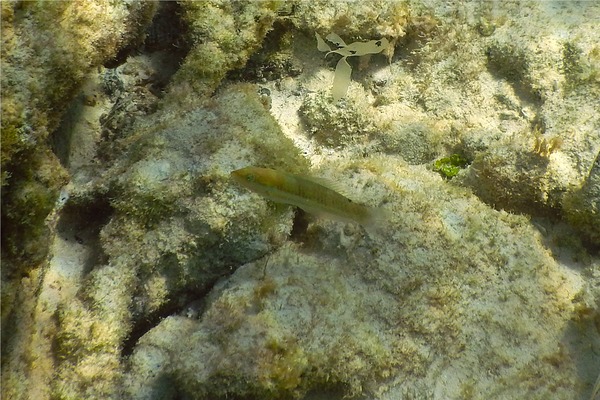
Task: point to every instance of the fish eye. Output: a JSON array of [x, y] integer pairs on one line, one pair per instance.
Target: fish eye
[[250, 177]]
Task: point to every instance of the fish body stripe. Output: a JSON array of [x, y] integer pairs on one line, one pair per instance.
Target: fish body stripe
[[291, 189]]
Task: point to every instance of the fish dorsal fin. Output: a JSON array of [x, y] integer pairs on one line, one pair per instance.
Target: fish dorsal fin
[[329, 184]]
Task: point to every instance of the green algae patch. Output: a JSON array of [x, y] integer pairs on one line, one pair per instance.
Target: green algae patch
[[449, 167]]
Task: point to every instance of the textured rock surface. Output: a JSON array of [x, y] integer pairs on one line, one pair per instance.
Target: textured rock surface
[[48, 49], [431, 296], [167, 280]]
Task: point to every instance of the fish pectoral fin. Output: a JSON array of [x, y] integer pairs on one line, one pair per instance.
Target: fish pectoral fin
[[280, 208]]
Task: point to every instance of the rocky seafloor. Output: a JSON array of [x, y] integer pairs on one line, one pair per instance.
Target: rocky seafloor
[[133, 267]]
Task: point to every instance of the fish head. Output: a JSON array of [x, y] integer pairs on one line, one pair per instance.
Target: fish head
[[259, 180]]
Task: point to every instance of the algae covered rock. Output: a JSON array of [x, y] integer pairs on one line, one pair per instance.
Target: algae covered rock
[[178, 180], [48, 48], [531, 169], [42, 69], [351, 314], [177, 225], [377, 18], [582, 206], [335, 126], [168, 280], [224, 35]]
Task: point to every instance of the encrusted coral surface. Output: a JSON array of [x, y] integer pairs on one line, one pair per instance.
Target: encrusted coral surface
[[167, 280], [426, 296]]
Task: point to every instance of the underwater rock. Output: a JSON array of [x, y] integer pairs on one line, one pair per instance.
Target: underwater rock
[[582, 206], [168, 280], [48, 48], [42, 69], [224, 36], [386, 18], [177, 225], [377, 314], [542, 148], [334, 126]]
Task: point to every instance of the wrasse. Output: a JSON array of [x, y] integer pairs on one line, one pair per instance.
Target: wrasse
[[310, 194]]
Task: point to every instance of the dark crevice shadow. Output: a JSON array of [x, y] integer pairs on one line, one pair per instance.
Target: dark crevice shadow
[[81, 223]]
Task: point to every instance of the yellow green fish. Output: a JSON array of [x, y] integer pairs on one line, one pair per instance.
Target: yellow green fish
[[310, 194]]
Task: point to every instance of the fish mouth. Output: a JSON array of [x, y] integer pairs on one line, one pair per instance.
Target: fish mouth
[[238, 176]]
